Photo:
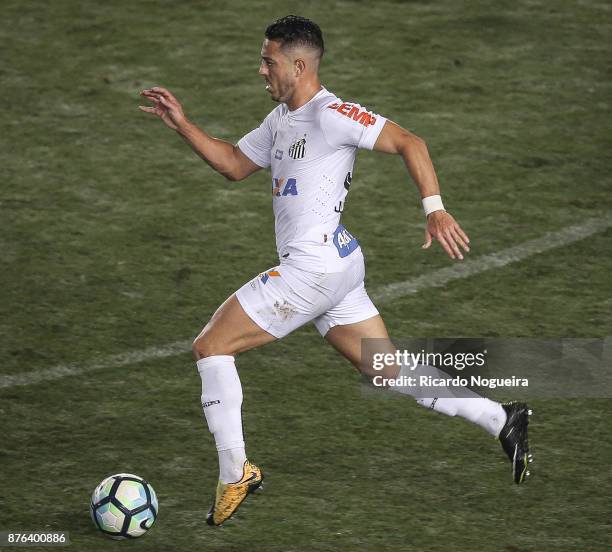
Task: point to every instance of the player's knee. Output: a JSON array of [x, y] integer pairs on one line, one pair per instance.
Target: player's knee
[[205, 345]]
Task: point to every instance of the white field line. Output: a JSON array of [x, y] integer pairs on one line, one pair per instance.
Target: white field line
[[112, 361], [380, 295], [513, 254]]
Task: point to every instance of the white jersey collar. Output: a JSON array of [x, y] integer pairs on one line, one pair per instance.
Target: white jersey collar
[[301, 108]]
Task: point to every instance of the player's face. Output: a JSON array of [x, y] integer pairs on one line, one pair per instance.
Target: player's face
[[277, 69]]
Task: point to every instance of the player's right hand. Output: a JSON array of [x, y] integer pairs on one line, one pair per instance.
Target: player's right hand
[[165, 106]]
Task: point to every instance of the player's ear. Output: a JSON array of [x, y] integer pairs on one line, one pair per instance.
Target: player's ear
[[299, 67]]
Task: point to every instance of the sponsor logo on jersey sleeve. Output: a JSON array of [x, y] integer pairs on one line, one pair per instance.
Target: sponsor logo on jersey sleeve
[[356, 113]]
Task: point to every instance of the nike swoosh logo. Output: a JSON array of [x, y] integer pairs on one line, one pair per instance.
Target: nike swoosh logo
[[143, 524], [253, 476]]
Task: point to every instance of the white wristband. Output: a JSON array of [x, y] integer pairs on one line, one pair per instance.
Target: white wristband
[[431, 204]]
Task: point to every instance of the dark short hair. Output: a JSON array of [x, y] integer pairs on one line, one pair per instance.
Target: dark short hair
[[293, 30]]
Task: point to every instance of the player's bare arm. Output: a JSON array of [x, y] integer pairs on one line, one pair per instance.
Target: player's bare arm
[[440, 224], [222, 156]]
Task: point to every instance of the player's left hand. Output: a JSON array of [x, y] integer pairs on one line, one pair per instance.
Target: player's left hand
[[444, 228]]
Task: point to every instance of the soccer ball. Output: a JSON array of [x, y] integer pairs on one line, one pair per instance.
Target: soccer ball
[[124, 506]]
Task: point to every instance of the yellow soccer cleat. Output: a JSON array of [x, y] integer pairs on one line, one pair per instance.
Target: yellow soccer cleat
[[230, 496]]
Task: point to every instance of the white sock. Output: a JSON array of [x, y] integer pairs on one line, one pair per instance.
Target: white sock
[[222, 405], [484, 412]]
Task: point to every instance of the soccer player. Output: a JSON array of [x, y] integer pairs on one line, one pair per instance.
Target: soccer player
[[310, 141]]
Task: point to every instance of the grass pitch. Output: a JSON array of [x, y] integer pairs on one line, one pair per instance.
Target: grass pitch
[[115, 237]]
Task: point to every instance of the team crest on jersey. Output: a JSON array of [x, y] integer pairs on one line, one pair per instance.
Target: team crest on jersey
[[298, 148]]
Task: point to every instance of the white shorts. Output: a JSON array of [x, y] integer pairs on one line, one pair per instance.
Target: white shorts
[[284, 297]]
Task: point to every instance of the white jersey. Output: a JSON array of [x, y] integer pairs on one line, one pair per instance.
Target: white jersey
[[311, 152]]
